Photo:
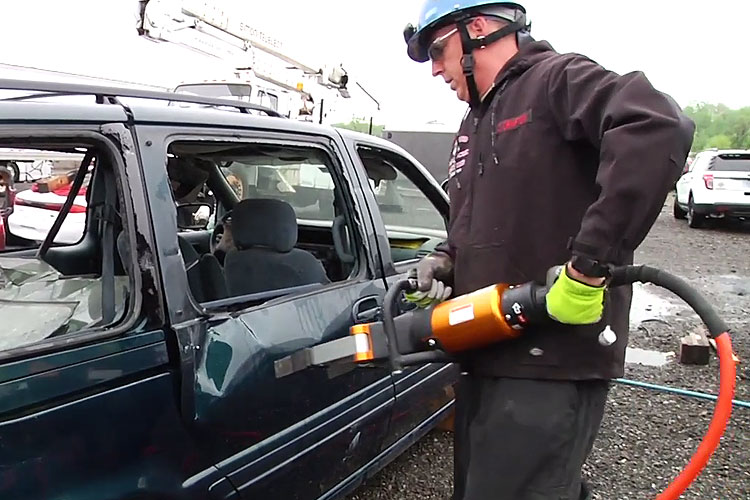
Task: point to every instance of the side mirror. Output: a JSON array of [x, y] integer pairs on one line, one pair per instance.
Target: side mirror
[[193, 216]]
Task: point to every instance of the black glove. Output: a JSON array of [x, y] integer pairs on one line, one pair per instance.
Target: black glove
[[432, 273]]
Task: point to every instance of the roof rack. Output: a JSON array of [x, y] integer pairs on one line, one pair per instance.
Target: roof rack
[[110, 95]]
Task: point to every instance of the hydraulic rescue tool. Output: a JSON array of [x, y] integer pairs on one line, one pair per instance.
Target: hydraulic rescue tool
[[499, 313]]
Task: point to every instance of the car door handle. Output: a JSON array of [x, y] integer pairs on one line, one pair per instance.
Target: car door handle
[[366, 309]]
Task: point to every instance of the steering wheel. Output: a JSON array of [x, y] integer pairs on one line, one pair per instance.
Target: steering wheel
[[218, 231]]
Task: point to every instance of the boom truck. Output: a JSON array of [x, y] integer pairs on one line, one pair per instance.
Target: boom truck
[[260, 69]]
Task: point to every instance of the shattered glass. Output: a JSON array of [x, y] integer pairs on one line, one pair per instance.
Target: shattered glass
[[37, 302]]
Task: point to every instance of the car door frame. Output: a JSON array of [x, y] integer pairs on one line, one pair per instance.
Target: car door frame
[[188, 319], [424, 393]]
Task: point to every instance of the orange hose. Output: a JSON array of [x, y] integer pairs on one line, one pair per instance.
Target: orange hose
[[722, 411]]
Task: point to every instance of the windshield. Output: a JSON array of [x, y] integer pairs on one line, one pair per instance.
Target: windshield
[[37, 302], [402, 205], [239, 91], [301, 180], [268, 99]]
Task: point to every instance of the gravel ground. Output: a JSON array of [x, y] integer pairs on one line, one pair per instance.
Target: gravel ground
[[647, 437]]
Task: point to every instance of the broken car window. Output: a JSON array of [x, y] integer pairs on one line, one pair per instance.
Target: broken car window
[[37, 302], [76, 278]]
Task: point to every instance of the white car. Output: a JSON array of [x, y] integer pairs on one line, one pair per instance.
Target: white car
[[716, 185], [35, 212]]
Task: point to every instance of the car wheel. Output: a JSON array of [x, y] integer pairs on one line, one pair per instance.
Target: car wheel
[[678, 212], [16, 171], [694, 220]]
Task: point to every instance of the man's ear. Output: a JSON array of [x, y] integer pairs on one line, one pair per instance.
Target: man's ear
[[479, 26], [483, 25]]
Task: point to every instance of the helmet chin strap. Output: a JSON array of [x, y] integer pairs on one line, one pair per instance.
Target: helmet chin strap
[[469, 45]]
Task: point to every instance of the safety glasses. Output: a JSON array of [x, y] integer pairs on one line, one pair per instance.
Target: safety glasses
[[437, 48]]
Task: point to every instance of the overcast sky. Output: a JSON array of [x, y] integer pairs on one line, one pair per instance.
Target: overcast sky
[[695, 51]]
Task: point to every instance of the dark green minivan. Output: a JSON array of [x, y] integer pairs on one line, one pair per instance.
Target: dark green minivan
[[182, 252]]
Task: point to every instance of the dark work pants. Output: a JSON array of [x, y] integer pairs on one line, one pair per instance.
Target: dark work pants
[[520, 439]]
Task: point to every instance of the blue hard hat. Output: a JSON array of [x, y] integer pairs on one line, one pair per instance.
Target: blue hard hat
[[437, 13]]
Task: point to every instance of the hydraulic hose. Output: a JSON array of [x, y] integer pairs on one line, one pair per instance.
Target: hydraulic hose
[[631, 274], [624, 275], [727, 370], [717, 426]]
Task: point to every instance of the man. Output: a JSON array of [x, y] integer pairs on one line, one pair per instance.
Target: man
[[558, 162]]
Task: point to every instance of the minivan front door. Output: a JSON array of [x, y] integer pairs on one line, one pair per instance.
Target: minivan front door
[[300, 435]]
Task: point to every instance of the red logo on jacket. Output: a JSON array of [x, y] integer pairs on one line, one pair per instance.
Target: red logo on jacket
[[513, 123]]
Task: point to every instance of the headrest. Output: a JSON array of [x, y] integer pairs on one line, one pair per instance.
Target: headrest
[[262, 222]]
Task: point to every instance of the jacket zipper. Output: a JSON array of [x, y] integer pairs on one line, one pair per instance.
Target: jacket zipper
[[477, 142], [470, 194]]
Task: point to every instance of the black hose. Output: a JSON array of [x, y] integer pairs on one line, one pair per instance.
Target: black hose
[[626, 275], [390, 305]]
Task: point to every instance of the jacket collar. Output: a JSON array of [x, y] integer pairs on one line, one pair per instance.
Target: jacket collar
[[528, 55]]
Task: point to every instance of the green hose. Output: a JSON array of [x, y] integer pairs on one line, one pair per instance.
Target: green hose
[[680, 392]]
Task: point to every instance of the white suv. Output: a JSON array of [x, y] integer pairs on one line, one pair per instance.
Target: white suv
[[717, 184]]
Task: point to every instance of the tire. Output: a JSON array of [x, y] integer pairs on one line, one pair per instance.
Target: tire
[[694, 220], [13, 166], [678, 212]]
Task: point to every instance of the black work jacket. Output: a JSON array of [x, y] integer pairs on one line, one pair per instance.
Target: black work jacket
[[562, 157]]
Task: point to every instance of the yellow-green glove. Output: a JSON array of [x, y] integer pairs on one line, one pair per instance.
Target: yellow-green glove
[[574, 303], [431, 273], [437, 293]]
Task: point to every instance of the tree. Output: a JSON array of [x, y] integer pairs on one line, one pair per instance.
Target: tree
[[720, 141], [718, 126], [739, 128], [362, 126]]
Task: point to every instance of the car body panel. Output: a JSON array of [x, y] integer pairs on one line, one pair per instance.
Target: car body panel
[[107, 444], [329, 423], [34, 213]]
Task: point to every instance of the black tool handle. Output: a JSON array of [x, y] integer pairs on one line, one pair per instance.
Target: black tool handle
[[390, 309]]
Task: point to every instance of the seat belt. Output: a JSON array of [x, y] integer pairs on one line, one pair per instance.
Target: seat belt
[[65, 209], [108, 217]]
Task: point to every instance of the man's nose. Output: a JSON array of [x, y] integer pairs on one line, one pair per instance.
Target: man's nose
[[437, 68]]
